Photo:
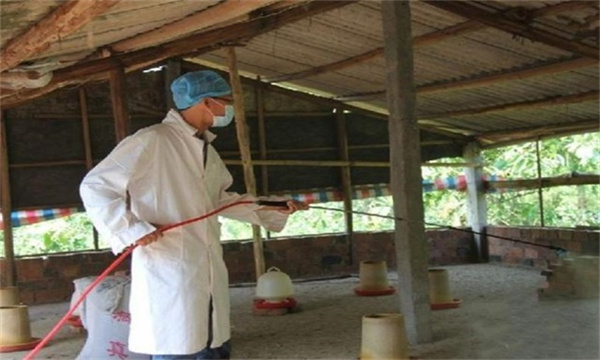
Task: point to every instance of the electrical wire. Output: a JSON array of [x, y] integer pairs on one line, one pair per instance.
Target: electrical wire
[[556, 248]]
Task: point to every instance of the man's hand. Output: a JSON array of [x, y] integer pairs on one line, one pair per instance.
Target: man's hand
[[150, 237], [293, 206]]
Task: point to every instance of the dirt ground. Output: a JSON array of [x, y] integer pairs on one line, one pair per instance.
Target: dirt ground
[[500, 318]]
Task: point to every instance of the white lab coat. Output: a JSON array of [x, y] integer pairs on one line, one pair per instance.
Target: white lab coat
[[161, 170]]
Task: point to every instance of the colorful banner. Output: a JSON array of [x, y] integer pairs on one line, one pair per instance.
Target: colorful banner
[[366, 191], [27, 217]]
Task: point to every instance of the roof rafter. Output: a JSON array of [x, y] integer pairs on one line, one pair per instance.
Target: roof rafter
[[61, 22], [220, 13], [338, 65], [197, 43], [435, 128], [508, 137], [550, 101], [553, 68], [422, 40], [499, 21]]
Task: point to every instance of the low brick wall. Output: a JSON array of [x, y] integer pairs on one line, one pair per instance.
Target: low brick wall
[[580, 242], [50, 278], [332, 255]]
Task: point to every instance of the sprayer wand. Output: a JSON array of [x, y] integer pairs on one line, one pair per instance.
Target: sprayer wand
[[283, 204]]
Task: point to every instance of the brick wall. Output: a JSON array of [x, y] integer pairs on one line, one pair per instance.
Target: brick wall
[[50, 278], [330, 255], [581, 242]]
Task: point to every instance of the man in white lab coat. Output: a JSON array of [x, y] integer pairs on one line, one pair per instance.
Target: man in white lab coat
[[165, 174]]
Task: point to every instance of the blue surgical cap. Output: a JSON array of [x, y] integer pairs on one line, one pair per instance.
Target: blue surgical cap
[[189, 89]]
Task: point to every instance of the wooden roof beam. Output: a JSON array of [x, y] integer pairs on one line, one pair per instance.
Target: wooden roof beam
[[197, 43], [281, 5], [220, 13], [545, 182], [550, 101], [338, 65], [502, 22], [436, 128], [328, 102], [564, 7], [60, 23], [546, 69], [363, 96], [422, 40], [502, 138]]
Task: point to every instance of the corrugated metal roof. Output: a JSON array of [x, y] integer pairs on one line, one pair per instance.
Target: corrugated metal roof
[[124, 20], [18, 15], [356, 28]]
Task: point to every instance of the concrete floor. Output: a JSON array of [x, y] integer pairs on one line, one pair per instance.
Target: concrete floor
[[500, 318]]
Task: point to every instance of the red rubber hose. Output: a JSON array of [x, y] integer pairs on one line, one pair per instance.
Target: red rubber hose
[[109, 269]]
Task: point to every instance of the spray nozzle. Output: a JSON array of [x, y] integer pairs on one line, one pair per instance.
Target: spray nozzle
[[281, 204]]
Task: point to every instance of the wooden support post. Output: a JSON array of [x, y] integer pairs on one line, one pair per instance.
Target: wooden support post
[[412, 251], [262, 139], [243, 138], [85, 125], [119, 103], [476, 203], [172, 72], [539, 173], [87, 144], [9, 252], [346, 180]]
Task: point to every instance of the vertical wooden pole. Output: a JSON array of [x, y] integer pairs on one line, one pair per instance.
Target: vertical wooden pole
[[118, 97], [539, 174], [412, 251], [243, 138], [346, 180], [87, 144], [172, 72], [476, 202], [85, 125], [262, 138], [9, 251]]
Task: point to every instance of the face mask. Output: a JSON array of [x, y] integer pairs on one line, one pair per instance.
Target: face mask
[[222, 121]]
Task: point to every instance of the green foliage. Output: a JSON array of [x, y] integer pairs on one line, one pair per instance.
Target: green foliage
[[60, 235], [315, 222], [577, 153], [572, 205], [444, 207], [518, 161], [513, 208], [234, 230], [381, 205], [565, 206]]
